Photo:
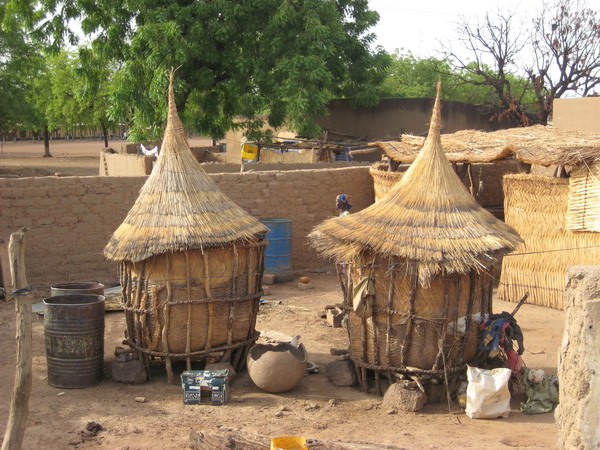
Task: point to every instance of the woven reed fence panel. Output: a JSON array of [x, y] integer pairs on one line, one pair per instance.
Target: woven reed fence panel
[[584, 199], [383, 180], [536, 206]]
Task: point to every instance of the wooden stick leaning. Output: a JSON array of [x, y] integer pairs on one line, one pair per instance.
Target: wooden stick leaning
[[19, 403]]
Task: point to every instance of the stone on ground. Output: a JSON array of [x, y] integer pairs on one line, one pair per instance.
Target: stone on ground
[[132, 371], [341, 372], [400, 398]]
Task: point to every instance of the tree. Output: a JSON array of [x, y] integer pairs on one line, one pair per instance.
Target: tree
[[566, 45], [94, 77], [16, 64], [409, 76], [494, 45], [237, 58]]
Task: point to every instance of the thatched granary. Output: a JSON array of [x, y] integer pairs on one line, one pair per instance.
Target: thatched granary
[[414, 268], [191, 262]]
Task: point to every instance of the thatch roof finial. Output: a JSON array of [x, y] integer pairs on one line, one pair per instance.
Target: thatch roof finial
[[435, 125], [174, 129]]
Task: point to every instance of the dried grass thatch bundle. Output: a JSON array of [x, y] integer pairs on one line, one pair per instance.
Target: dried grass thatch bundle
[[415, 266], [191, 262], [536, 206], [583, 212], [179, 207], [538, 144]]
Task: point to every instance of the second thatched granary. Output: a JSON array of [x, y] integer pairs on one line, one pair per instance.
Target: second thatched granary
[[414, 268], [553, 203], [191, 262]]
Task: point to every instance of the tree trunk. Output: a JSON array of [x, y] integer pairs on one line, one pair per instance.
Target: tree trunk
[[104, 133], [46, 143], [19, 403]]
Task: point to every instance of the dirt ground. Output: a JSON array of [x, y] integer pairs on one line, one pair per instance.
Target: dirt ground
[[69, 158], [58, 416]]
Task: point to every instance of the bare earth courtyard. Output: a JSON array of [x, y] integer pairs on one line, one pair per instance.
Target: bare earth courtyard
[[316, 409]]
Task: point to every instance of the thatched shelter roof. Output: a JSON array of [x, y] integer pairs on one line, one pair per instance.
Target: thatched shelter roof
[[179, 207], [428, 217], [538, 144]]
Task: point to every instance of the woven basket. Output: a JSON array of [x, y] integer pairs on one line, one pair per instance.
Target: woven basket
[[383, 180], [190, 305], [412, 325]]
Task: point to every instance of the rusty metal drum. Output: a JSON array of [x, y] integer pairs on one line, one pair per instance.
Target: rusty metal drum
[[77, 288], [74, 332]]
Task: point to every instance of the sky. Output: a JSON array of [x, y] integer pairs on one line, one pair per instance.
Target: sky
[[419, 26]]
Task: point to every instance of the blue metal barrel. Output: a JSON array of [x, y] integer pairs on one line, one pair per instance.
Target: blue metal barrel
[[278, 254]]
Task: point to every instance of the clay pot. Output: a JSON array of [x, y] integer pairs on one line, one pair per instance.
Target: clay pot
[[277, 368]]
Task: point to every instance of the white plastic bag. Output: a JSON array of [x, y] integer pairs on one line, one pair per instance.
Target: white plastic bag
[[488, 396]]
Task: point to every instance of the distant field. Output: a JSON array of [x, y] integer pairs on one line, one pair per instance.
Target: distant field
[[70, 158]]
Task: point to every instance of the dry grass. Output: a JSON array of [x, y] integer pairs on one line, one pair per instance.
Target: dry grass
[[536, 206], [428, 217], [179, 207], [537, 144], [583, 212]]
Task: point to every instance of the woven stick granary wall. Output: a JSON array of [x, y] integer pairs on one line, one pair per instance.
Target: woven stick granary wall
[[583, 209], [191, 262], [423, 252], [536, 206]]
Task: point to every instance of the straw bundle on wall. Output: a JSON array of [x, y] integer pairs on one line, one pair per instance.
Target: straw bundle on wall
[[537, 144], [536, 207], [583, 212]]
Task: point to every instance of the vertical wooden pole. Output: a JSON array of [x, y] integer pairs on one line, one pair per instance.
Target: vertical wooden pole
[[19, 403], [166, 322], [412, 294], [188, 326], [388, 330], [468, 316]]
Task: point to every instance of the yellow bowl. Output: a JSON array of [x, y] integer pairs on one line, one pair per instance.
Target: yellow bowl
[[288, 443]]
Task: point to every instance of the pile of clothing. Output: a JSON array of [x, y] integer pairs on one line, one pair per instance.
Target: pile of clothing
[[499, 333]]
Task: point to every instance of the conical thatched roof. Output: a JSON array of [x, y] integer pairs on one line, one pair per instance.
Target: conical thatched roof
[[428, 217], [179, 207]]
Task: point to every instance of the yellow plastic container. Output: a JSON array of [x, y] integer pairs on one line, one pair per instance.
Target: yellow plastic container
[[289, 443], [249, 151]]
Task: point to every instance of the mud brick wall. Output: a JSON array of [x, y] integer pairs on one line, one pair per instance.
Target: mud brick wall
[[578, 415], [71, 219]]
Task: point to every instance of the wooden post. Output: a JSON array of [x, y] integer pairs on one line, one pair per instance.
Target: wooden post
[[19, 403]]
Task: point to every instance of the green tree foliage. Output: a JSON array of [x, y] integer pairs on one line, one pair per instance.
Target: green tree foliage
[[285, 58], [409, 76], [17, 66], [94, 78]]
